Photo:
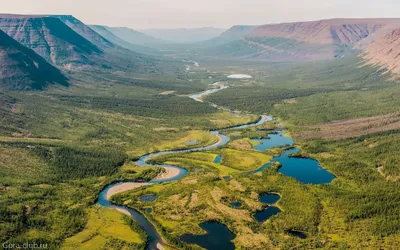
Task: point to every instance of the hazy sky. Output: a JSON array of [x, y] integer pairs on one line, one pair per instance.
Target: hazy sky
[[142, 14]]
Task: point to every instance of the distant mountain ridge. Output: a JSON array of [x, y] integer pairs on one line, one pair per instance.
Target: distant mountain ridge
[[235, 33], [23, 69], [313, 40], [131, 36], [332, 31], [138, 42], [183, 35]]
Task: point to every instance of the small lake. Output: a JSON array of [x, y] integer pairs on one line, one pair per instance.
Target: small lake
[[218, 237], [305, 170], [148, 210], [148, 198], [269, 199], [236, 204], [218, 159], [297, 234], [276, 139], [227, 178], [267, 213], [239, 76]]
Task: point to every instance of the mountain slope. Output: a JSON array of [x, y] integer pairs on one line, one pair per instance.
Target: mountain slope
[[60, 45], [85, 31], [333, 31], [385, 52], [52, 39], [235, 33], [184, 35], [23, 69], [106, 32], [315, 40], [134, 37]]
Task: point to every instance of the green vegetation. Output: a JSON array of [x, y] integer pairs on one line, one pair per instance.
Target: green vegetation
[[107, 228], [59, 148]]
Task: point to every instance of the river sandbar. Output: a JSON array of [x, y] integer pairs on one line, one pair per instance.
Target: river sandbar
[[124, 187]]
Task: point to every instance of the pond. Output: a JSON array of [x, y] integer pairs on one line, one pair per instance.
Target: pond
[[297, 234], [218, 159], [266, 213], [276, 139], [218, 237], [236, 204], [269, 198]]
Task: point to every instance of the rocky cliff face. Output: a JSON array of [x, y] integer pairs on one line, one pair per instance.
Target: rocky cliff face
[[23, 69]]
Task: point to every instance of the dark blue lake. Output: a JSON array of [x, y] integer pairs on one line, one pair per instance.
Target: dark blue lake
[[297, 234], [236, 204], [305, 170], [267, 213], [218, 237], [269, 199]]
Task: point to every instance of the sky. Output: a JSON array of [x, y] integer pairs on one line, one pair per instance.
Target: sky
[[143, 14]]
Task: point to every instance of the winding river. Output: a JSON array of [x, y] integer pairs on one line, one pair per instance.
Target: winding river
[[155, 239]]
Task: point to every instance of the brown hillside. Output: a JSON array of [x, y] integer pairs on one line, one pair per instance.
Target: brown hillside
[[334, 31], [385, 52]]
